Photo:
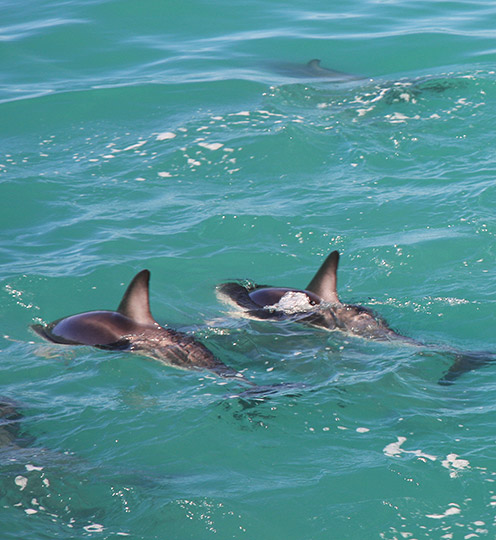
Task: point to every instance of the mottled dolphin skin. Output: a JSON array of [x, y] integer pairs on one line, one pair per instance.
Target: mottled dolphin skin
[[319, 305], [133, 328]]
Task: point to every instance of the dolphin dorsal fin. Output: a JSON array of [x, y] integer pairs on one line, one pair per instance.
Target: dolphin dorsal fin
[[315, 63], [324, 283], [135, 303]]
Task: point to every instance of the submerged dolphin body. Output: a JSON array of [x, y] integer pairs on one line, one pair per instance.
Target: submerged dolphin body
[[133, 328], [319, 305], [10, 419], [313, 70]]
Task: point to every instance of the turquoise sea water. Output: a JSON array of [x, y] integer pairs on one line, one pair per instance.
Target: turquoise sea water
[[183, 138]]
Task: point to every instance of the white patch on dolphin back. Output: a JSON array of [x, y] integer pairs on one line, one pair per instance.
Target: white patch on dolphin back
[[292, 302]]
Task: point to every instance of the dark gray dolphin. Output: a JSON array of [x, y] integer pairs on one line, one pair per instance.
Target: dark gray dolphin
[[133, 328], [319, 305]]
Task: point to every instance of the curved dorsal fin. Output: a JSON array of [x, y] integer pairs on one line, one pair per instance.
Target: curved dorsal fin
[[315, 63], [135, 303], [324, 283]]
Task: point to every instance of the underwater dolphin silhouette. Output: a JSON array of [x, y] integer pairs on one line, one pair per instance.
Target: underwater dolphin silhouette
[[313, 70], [319, 305], [133, 328], [10, 419]]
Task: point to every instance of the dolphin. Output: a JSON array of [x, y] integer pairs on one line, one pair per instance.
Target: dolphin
[[10, 419], [319, 305], [313, 70], [133, 328]]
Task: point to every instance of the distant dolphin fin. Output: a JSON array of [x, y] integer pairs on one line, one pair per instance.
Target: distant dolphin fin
[[135, 303], [314, 64], [315, 69], [324, 283]]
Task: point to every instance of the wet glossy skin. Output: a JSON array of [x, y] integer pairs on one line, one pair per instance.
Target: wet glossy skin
[[133, 328], [114, 331], [263, 303], [94, 328], [325, 310], [356, 320]]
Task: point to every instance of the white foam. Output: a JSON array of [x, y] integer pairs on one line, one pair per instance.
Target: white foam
[[454, 464], [165, 136], [211, 146], [94, 527], [30, 468], [452, 510], [134, 146], [363, 112], [396, 117], [21, 481], [394, 450]]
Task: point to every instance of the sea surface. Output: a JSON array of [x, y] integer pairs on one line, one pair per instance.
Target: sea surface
[[192, 139]]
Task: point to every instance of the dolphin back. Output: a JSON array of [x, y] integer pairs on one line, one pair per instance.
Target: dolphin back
[[106, 329]]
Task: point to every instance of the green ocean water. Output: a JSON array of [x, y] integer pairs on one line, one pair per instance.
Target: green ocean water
[[187, 138]]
